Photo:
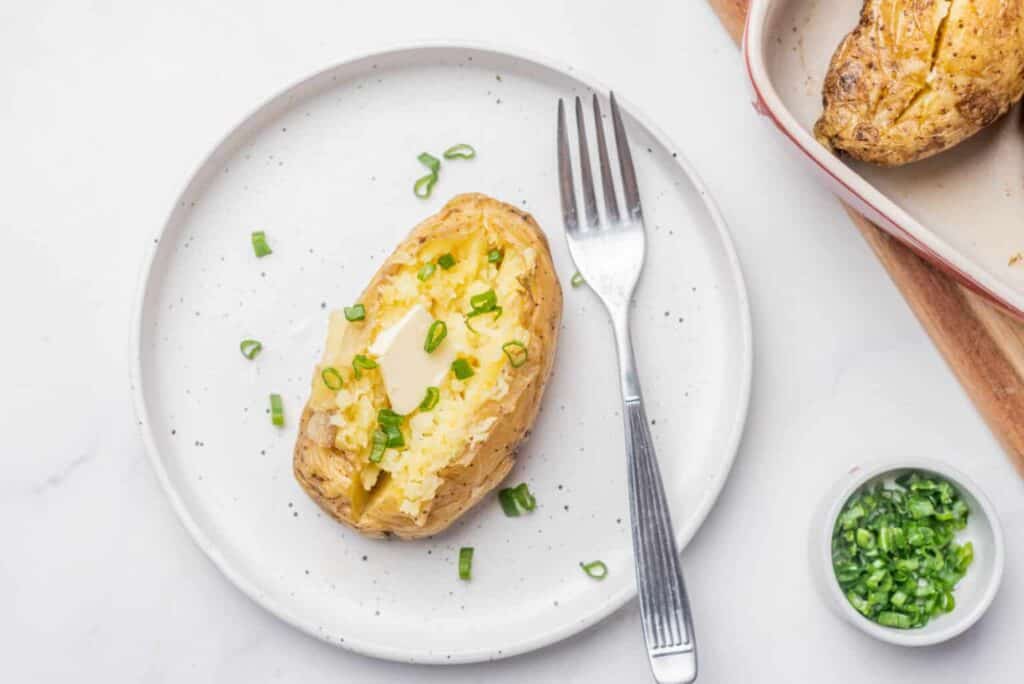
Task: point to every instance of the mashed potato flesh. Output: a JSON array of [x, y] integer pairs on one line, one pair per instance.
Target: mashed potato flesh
[[434, 437]]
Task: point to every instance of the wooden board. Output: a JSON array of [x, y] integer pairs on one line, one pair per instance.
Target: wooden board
[[982, 344]]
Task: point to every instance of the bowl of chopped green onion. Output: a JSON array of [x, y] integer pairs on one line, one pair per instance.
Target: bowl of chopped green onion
[[910, 554]]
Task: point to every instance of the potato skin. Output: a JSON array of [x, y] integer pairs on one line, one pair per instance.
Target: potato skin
[[916, 77], [484, 463]]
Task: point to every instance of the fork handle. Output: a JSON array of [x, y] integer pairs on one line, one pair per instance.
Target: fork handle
[[664, 604]]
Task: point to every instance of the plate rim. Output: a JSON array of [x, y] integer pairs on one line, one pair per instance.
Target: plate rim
[[280, 610], [854, 189]]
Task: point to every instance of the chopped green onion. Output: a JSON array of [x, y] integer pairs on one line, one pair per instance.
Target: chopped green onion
[[895, 553], [446, 261], [259, 244], [431, 399], [462, 369], [577, 279], [596, 569], [859, 604], [394, 435], [890, 619], [435, 335], [516, 352], [484, 302], [361, 363], [495, 256], [386, 416], [465, 562], [380, 443], [276, 410], [525, 498], [427, 271], [356, 312], [947, 603], [332, 378], [424, 186], [507, 499], [497, 311], [964, 556], [514, 498], [431, 162], [250, 348], [461, 151]]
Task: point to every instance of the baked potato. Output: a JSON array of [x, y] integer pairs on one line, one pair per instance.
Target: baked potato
[[916, 77], [481, 270]]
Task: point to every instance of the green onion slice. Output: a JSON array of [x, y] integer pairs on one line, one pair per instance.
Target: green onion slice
[[460, 151], [259, 244], [388, 417], [424, 186], [431, 399], [497, 311], [446, 261], [891, 619], [577, 279], [431, 162], [507, 499], [495, 256], [516, 353], [462, 369], [596, 569], [514, 498], [465, 562], [427, 271], [356, 312], [332, 378], [361, 363], [250, 348], [276, 410], [524, 497], [380, 443], [435, 335], [483, 302], [394, 435]]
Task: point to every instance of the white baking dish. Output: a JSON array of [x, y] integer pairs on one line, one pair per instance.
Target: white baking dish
[[961, 209]]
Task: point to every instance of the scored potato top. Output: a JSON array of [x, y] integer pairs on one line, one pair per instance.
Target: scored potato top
[[916, 77], [465, 443]]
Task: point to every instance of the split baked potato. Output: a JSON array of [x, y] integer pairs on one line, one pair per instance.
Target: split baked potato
[[916, 77], [476, 255]]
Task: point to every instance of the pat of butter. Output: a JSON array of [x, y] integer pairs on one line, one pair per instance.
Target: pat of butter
[[408, 370]]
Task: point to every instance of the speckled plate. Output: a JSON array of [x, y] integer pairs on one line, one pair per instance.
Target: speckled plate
[[326, 169]]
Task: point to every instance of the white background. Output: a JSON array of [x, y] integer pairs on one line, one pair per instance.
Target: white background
[[107, 107]]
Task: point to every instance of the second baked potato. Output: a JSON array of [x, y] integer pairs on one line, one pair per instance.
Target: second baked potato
[[916, 77]]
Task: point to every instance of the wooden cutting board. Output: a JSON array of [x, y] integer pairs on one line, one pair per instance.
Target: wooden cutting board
[[982, 344]]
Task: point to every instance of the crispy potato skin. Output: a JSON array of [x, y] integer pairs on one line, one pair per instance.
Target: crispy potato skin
[[916, 77], [485, 463]]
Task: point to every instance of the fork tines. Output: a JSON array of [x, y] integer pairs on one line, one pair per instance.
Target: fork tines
[[565, 174]]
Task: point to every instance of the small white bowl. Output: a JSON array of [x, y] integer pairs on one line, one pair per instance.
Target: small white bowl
[[975, 591]]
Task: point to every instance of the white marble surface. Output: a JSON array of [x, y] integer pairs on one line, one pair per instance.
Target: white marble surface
[[105, 109]]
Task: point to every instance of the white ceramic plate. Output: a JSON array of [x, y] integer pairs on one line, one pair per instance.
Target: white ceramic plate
[[326, 169], [960, 209]]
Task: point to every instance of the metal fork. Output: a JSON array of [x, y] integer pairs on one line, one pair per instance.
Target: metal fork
[[609, 254]]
